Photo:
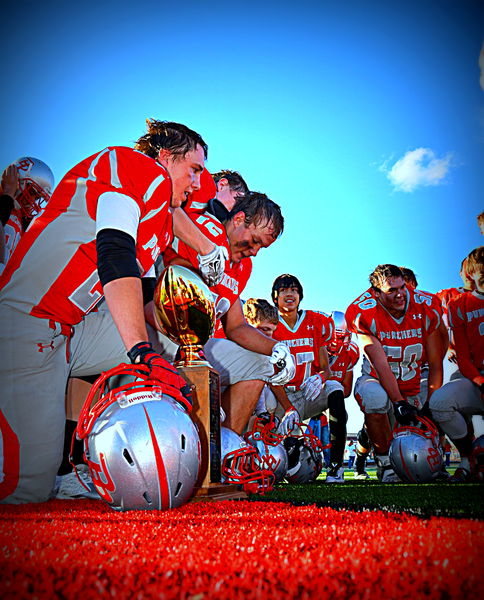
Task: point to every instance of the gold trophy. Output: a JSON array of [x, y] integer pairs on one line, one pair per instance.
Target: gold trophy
[[185, 312]]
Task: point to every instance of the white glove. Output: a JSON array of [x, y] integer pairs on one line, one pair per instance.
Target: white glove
[[281, 357], [288, 421], [212, 265], [311, 387]]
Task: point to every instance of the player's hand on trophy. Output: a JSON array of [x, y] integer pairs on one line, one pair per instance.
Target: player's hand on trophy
[[288, 422], [282, 358], [311, 387], [212, 265], [172, 383]]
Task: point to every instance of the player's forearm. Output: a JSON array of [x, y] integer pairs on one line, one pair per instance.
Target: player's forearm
[[185, 230], [348, 383], [436, 378], [325, 370], [124, 298]]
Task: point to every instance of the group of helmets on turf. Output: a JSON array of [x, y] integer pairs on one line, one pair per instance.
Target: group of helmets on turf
[[143, 449]]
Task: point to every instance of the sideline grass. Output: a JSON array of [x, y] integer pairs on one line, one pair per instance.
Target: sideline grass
[[425, 500]]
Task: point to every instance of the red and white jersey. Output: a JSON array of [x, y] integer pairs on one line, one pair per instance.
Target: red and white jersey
[[13, 231], [466, 316], [311, 331], [403, 339], [445, 296], [236, 275], [344, 361], [53, 271], [198, 200]]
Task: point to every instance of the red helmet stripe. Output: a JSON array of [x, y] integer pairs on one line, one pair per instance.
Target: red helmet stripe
[[160, 467]]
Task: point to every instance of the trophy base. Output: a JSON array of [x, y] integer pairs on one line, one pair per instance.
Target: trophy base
[[219, 491]]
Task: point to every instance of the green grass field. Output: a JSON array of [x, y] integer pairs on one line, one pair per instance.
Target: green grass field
[[425, 500]]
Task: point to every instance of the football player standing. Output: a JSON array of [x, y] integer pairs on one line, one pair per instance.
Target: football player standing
[[102, 230]]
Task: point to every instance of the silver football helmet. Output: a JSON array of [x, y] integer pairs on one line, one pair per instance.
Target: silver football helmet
[[269, 445], [141, 446], [415, 452], [241, 464], [36, 182], [305, 455], [341, 335]]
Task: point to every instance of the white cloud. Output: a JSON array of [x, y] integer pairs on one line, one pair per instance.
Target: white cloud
[[418, 168]]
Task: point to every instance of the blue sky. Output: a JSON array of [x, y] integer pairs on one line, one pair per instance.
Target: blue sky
[[363, 120]]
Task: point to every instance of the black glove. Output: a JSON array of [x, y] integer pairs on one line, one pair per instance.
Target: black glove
[[160, 369], [481, 388], [405, 413]]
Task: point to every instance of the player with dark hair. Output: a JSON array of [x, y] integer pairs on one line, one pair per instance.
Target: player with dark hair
[[100, 233], [434, 302], [218, 194], [242, 355], [453, 405], [312, 390], [396, 326]]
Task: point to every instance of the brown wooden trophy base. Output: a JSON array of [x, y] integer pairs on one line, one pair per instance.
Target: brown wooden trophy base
[[205, 382]]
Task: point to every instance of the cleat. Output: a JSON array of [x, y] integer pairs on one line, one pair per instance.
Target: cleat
[[389, 476], [360, 463], [335, 474], [70, 488]]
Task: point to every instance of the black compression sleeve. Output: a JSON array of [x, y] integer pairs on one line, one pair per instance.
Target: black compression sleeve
[[6, 207], [116, 255], [148, 284]]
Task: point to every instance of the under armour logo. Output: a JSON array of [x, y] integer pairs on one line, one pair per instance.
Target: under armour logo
[[43, 347]]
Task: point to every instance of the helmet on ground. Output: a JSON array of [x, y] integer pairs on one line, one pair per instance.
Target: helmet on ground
[[415, 452], [477, 458], [241, 464], [269, 445], [305, 455], [141, 446], [36, 182], [342, 336]]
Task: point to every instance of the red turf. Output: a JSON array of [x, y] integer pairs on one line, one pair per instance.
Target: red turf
[[210, 550]]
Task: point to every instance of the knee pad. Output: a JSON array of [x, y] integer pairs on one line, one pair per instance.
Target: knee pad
[[373, 398]]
